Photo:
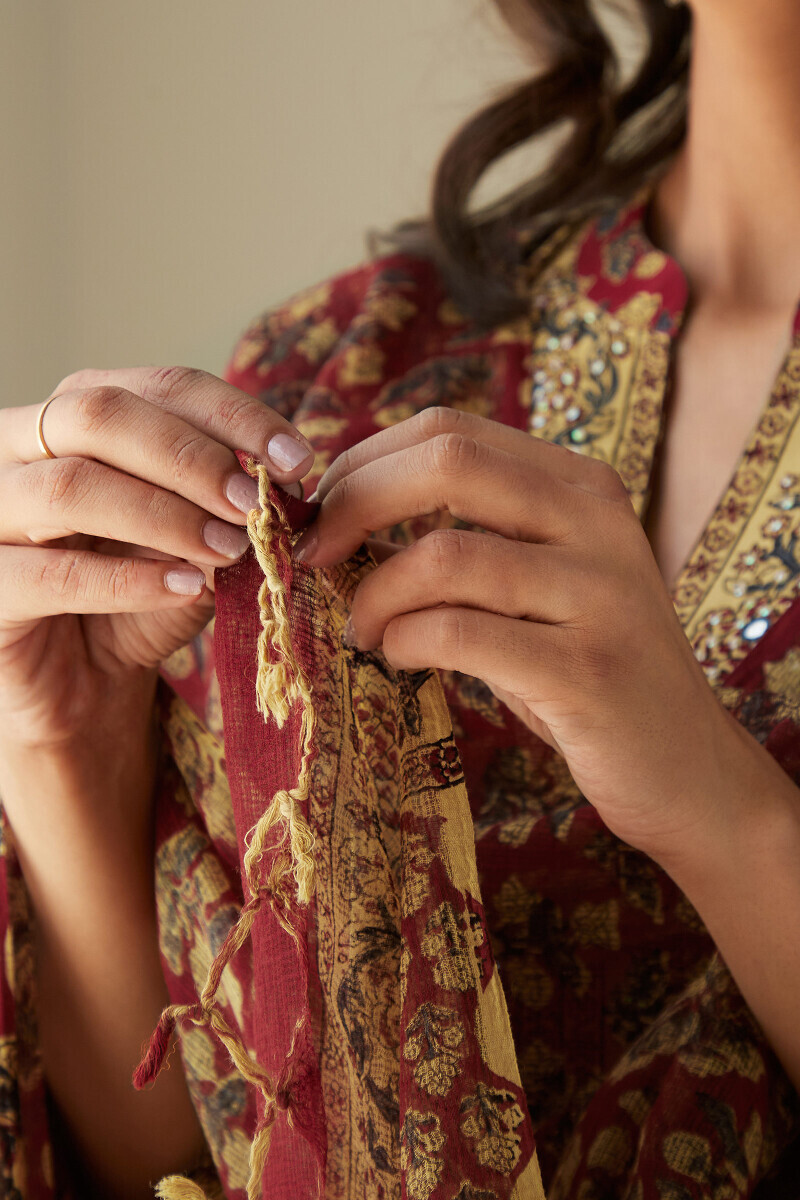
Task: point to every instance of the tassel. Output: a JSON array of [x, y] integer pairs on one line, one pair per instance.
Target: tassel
[[280, 682], [177, 1187]]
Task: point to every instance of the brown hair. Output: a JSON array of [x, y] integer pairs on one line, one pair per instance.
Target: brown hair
[[620, 136]]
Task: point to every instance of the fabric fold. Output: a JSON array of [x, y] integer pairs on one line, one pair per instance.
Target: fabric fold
[[377, 1041]]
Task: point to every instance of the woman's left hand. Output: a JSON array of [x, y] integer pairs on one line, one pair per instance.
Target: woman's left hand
[[559, 607]]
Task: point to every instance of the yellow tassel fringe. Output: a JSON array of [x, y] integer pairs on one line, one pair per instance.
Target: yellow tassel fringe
[[280, 682]]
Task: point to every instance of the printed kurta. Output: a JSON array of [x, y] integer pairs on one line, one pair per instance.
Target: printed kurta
[[644, 1074]]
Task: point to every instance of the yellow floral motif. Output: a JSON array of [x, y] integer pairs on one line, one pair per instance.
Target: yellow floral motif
[[392, 414], [451, 941], [783, 680], [449, 313], [479, 404], [390, 309], [753, 1142], [236, 1157], [513, 331], [361, 365], [611, 1150], [9, 965], [305, 302], [529, 982], [636, 1105], [489, 1118], [180, 663], [650, 265], [514, 903], [8, 1070], [321, 428], [720, 1057], [421, 1139], [200, 759], [639, 311], [597, 924], [434, 1035], [319, 340], [689, 1154], [250, 348], [417, 857]]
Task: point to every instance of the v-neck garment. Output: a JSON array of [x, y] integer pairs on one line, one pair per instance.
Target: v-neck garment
[[608, 309], [629, 1032]]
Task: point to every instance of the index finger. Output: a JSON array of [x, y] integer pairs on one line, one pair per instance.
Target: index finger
[[589, 473], [215, 407]]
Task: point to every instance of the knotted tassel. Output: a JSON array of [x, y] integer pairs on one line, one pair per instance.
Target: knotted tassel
[[280, 683], [178, 1187]]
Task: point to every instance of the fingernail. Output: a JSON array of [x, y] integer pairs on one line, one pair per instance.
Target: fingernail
[[287, 452], [225, 539], [305, 547], [185, 581], [349, 633], [242, 491], [312, 499]]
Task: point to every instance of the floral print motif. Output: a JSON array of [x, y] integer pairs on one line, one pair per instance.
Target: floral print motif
[[644, 1074], [433, 1040]]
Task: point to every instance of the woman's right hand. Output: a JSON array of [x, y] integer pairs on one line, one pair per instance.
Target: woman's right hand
[[107, 551]]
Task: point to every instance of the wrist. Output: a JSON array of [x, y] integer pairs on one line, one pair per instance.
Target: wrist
[[91, 789], [108, 732], [75, 720], [749, 821]]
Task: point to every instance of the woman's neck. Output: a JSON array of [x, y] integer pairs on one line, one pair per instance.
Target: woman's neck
[[729, 206]]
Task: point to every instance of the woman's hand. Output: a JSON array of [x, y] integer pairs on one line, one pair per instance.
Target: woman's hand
[[559, 607], [107, 551]]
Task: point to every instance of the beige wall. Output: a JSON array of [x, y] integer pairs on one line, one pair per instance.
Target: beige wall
[[179, 165]]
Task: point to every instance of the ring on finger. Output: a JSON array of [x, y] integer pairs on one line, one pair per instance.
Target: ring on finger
[[43, 446]]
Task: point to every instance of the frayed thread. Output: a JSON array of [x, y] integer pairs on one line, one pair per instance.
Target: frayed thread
[[177, 1187], [280, 683]]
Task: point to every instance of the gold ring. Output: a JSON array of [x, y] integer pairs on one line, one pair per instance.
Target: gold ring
[[43, 446]]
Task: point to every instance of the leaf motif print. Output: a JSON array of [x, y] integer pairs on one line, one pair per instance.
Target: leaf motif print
[[434, 1036], [452, 941], [468, 1192], [490, 1117], [597, 924], [723, 1118], [421, 1139], [689, 1154], [611, 1151], [668, 1189]]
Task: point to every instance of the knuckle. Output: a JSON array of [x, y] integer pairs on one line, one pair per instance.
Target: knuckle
[[437, 420], [442, 550], [57, 481], [592, 658], [453, 632], [120, 580], [344, 465], [611, 481], [62, 578], [453, 454], [345, 491], [230, 412], [82, 378], [171, 382], [96, 406], [189, 453], [159, 511], [598, 664]]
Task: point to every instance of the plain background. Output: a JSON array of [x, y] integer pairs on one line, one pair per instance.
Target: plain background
[[171, 168]]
